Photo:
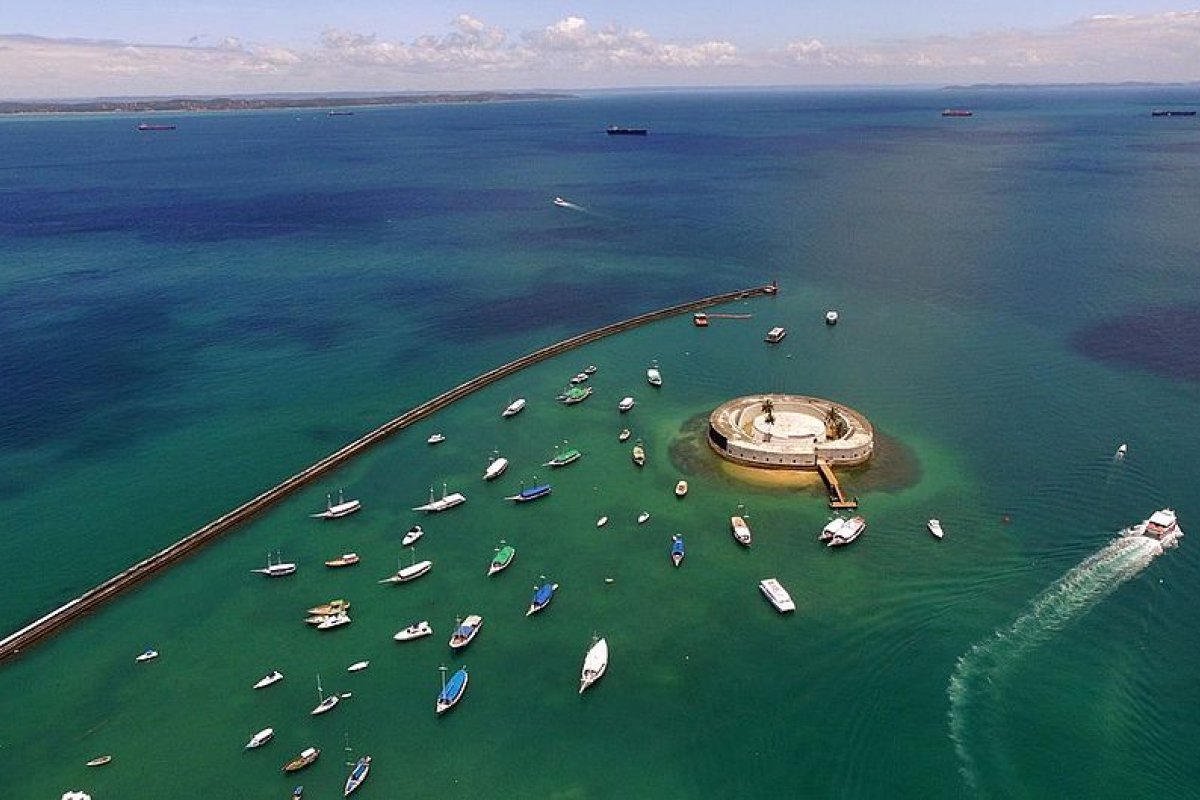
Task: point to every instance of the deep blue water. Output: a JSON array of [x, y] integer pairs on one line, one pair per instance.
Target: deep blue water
[[187, 317]]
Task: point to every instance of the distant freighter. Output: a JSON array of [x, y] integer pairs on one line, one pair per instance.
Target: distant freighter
[[614, 130], [341, 113], [957, 112], [1161, 112], [146, 126]]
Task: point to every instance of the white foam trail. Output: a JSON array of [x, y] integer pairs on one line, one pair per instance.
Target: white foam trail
[[974, 689]]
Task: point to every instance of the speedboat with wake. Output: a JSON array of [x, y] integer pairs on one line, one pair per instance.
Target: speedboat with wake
[[1162, 526]]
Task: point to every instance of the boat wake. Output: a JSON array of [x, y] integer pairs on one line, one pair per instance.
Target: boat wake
[[976, 688], [562, 203]]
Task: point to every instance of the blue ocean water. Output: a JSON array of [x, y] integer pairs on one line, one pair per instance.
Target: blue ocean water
[[186, 317]]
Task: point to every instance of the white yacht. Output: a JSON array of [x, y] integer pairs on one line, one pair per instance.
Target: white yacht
[[562, 202], [625, 404], [414, 533], [741, 531], [409, 573], [935, 527], [148, 654], [653, 376], [594, 664], [260, 738], [1163, 526], [850, 530], [642, 517], [779, 597], [775, 335], [495, 468], [274, 676], [341, 508], [358, 666], [414, 631], [276, 569], [515, 407], [333, 621], [441, 504], [436, 438]]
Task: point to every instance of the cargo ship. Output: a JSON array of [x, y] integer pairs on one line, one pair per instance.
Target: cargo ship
[[616, 130]]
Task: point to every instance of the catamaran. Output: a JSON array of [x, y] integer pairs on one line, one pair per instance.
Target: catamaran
[[850, 530], [341, 508], [595, 663], [446, 501]]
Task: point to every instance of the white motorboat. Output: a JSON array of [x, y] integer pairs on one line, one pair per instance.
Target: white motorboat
[[515, 407], [276, 569], [681, 489], [466, 630], [495, 468], [653, 376], [935, 527], [624, 435], [414, 533], [341, 508], [414, 631], [590, 369], [358, 666], [626, 404], [595, 663], [850, 530], [642, 517], [580, 377], [773, 590], [332, 621], [1163, 526], [274, 676], [600, 523], [561, 202], [831, 529], [775, 335], [1121, 451], [344, 560], [260, 738], [436, 438], [444, 502], [147, 655], [831, 317], [327, 703], [741, 531]]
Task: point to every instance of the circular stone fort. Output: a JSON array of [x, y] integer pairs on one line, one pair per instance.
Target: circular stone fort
[[788, 431]]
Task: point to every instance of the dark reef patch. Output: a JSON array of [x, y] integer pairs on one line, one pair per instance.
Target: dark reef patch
[[1164, 340]]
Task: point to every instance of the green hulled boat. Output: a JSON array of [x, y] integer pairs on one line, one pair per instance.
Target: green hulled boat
[[561, 459], [504, 556]]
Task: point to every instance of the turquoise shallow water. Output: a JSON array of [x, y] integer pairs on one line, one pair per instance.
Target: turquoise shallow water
[[189, 317]]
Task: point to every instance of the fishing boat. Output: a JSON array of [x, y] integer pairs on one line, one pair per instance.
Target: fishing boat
[[465, 631], [260, 738], [358, 666], [935, 527], [773, 590], [642, 517], [542, 595], [410, 573], [850, 530], [564, 457], [1162, 526], [677, 549], [332, 607], [327, 703], [595, 664], [624, 435], [452, 690], [147, 655], [514, 408], [444, 502], [575, 394], [600, 523], [626, 404], [344, 560], [436, 438], [410, 538], [681, 489], [700, 319], [99, 761], [341, 508], [277, 569], [639, 454], [495, 468], [741, 530], [503, 558], [831, 317], [653, 376], [357, 775], [415, 631], [274, 676], [334, 621], [307, 756], [532, 493]]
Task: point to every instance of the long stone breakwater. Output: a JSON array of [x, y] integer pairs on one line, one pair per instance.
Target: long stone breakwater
[[64, 615]]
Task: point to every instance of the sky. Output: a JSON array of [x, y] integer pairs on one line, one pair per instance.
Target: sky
[[108, 48]]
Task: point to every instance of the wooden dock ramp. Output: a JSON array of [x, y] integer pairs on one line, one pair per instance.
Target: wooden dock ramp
[[836, 498]]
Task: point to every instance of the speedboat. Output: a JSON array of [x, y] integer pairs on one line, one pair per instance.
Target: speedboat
[[580, 377], [515, 407], [307, 756], [642, 517], [681, 489], [411, 537], [595, 663], [935, 527], [624, 435], [639, 454], [444, 502], [147, 655], [558, 201], [542, 595], [533, 493], [358, 666], [357, 775], [466, 631], [1162, 526], [677, 549], [414, 631], [274, 676], [277, 569], [333, 621], [345, 559], [495, 467], [260, 738], [831, 317], [341, 508], [590, 369], [436, 438], [452, 691], [504, 556], [561, 459], [773, 590], [625, 404], [851, 529], [600, 523], [653, 376], [741, 531]]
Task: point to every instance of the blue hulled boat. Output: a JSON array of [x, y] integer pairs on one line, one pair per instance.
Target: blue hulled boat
[[357, 775], [452, 691], [542, 596], [677, 549], [533, 493]]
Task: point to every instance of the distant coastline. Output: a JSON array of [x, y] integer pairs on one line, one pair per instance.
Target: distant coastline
[[188, 104]]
